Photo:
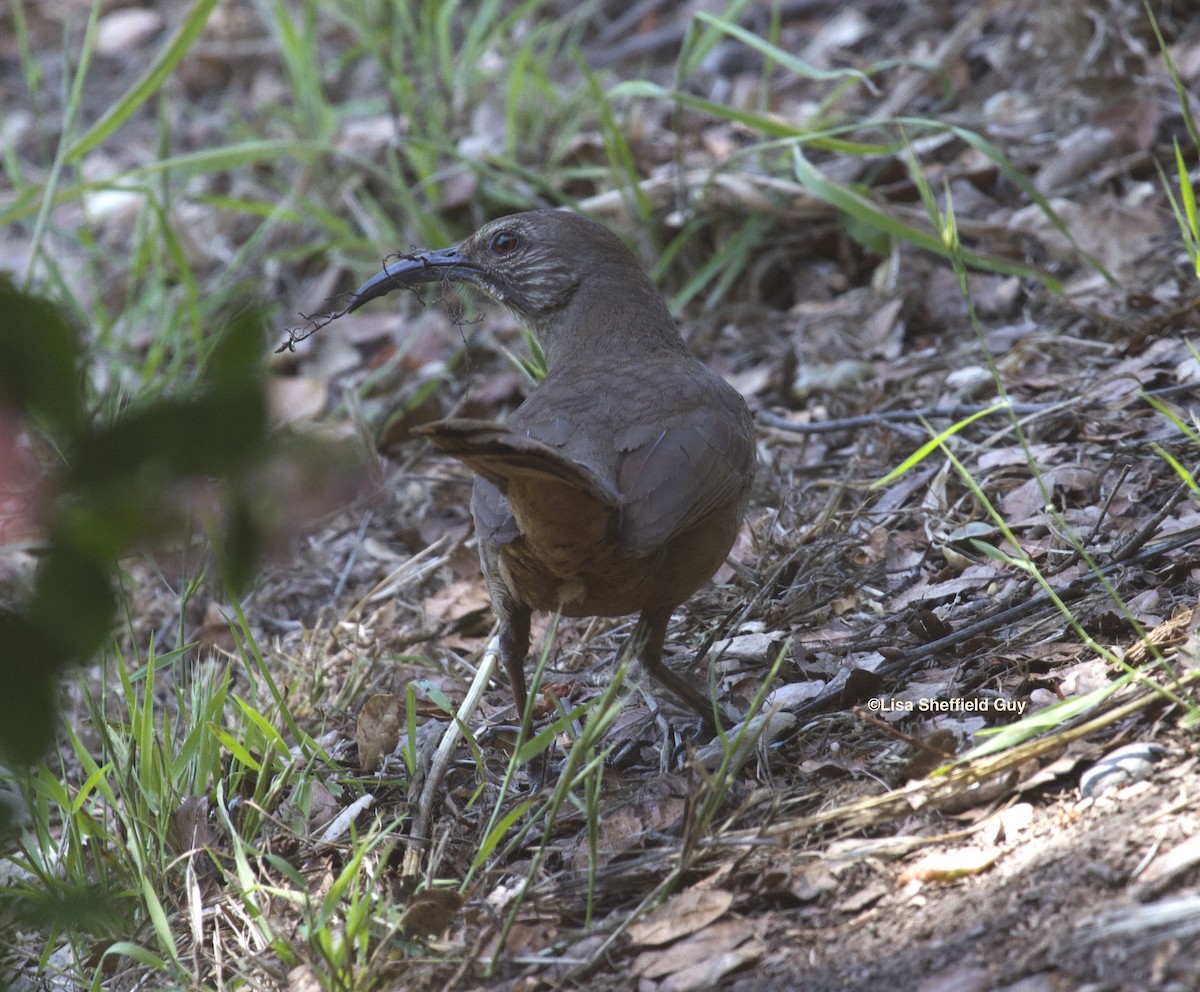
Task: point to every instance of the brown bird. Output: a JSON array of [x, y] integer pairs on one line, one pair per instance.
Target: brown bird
[[619, 485]]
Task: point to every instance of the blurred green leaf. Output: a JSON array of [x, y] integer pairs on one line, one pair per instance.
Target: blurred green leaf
[[126, 484], [84, 908], [170, 440], [29, 669], [242, 543], [73, 606], [39, 362]]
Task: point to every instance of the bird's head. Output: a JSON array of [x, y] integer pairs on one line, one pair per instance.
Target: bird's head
[[539, 264]]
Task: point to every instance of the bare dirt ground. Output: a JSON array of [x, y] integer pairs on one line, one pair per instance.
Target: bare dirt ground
[[816, 875]]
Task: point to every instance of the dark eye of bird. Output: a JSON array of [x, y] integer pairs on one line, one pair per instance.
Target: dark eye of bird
[[504, 243]]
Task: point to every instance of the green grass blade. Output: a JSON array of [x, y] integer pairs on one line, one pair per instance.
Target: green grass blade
[[149, 83], [496, 834], [158, 919], [862, 209], [935, 442], [775, 54], [1188, 479], [1173, 417]]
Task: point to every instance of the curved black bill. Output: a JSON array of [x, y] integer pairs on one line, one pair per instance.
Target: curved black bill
[[426, 266]]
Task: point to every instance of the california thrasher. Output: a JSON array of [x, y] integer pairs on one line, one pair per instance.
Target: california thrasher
[[619, 485]]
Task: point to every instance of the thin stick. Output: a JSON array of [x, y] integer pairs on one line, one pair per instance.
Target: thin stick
[[430, 794]]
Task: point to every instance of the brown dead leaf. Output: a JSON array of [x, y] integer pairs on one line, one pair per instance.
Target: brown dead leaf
[[118, 33], [463, 609], [189, 829], [883, 332], [367, 136], [845, 374], [302, 978], [1014, 454], [529, 937], [792, 695], [1026, 503], [682, 914], [971, 580], [430, 912], [619, 831], [1076, 156], [1167, 867], [294, 399], [836, 35], [719, 938], [829, 767], [214, 633], [1078, 680], [812, 882], [1005, 824], [719, 142], [1134, 373], [1016, 819], [940, 746], [965, 977], [458, 599], [705, 974], [948, 866], [978, 794], [700, 961], [378, 730], [758, 646], [864, 898], [322, 806]]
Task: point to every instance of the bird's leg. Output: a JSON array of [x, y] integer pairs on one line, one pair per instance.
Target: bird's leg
[[514, 646], [647, 641]]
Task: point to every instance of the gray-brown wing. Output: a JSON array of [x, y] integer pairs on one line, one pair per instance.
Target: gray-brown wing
[[501, 458], [674, 474], [501, 455]]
